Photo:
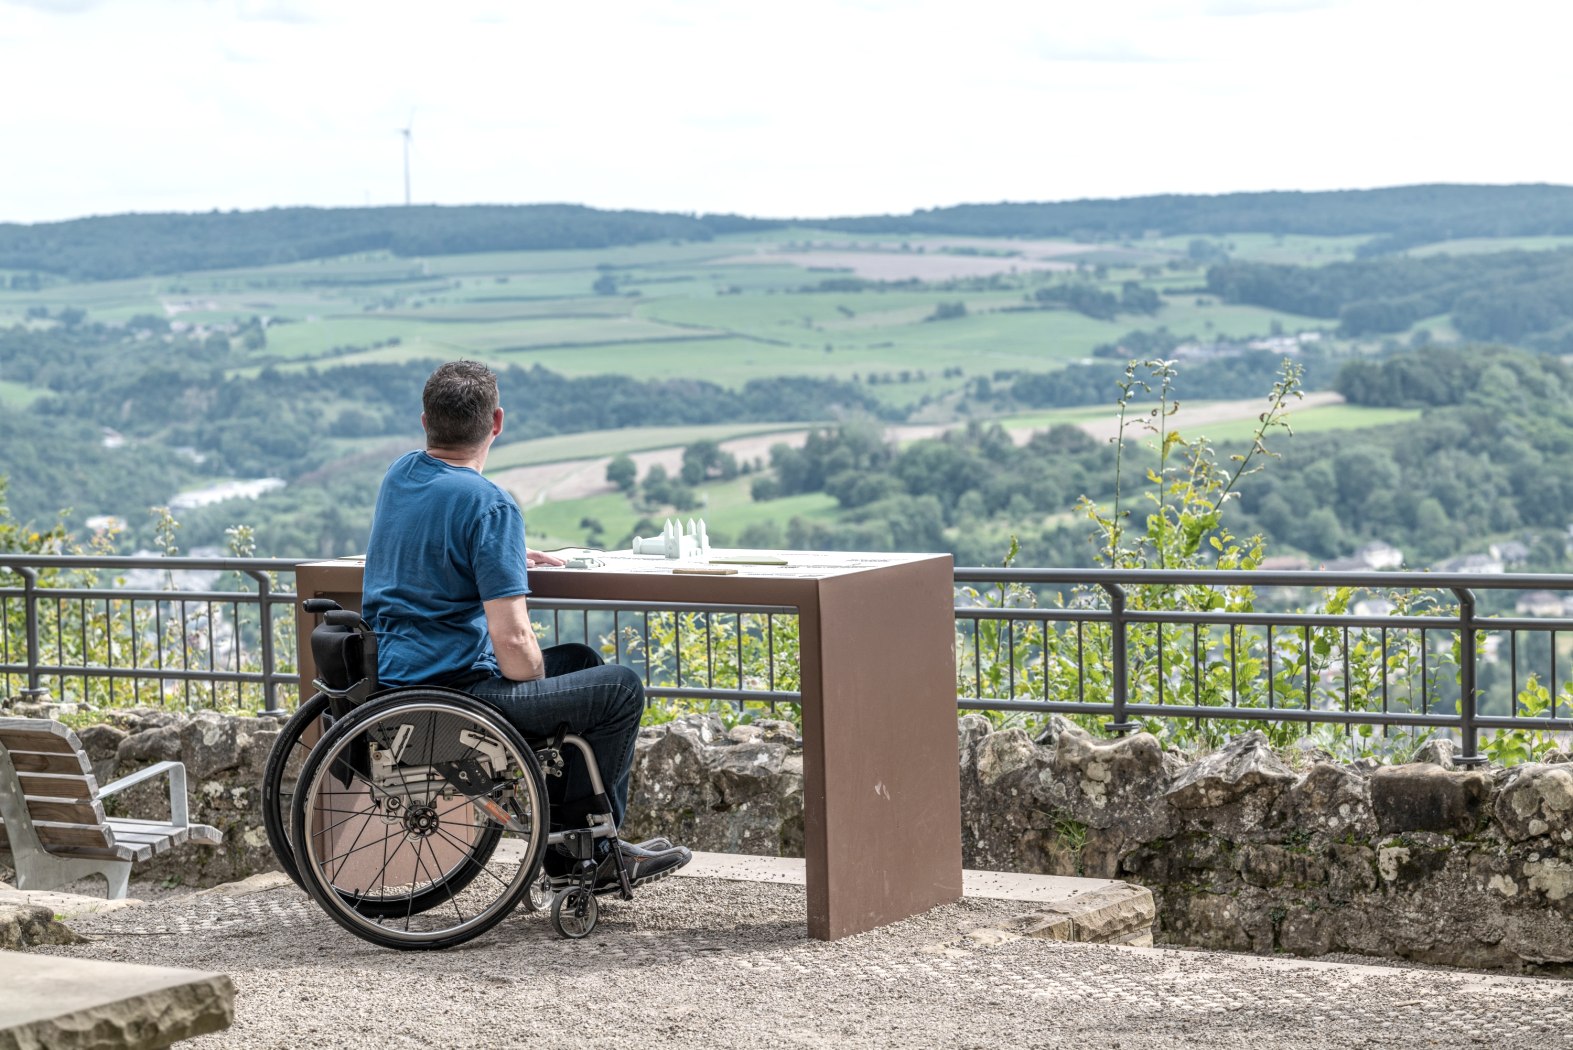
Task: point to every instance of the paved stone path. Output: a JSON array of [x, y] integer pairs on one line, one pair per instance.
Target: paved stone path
[[717, 964]]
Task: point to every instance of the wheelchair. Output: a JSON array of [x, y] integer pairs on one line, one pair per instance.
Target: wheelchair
[[417, 817]]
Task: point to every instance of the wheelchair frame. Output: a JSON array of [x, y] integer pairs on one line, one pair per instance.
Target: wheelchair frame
[[431, 770]]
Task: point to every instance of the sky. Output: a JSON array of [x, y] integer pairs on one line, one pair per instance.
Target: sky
[[780, 110]]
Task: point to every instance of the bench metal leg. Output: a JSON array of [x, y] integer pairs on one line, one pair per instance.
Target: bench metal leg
[[40, 871]]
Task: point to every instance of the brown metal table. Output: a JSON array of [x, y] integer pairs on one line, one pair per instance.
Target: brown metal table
[[881, 792]]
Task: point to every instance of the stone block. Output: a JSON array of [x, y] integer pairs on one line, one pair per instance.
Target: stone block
[[1233, 791], [1330, 799], [1119, 913], [28, 925], [82, 1004], [1537, 800], [1421, 797], [999, 755], [1110, 784]]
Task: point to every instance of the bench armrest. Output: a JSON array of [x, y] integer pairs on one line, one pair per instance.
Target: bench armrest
[[178, 813]]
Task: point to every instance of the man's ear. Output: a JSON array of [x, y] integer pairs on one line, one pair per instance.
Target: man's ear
[[423, 421], [496, 421]]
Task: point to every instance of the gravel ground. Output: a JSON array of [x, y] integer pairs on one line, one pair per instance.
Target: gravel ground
[[728, 964]]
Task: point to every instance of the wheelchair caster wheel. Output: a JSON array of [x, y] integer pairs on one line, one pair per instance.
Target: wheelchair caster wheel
[[539, 897], [574, 912]]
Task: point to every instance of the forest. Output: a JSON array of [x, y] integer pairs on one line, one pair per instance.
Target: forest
[[679, 330], [1511, 296], [1491, 458], [1401, 216], [184, 418], [105, 247]]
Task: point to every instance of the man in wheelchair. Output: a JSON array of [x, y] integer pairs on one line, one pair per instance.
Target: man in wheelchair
[[445, 592]]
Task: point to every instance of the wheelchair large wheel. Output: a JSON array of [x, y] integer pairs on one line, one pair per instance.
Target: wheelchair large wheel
[[280, 782], [282, 773], [420, 820]]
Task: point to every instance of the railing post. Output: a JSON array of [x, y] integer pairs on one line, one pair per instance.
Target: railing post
[[270, 707], [1120, 724], [34, 691], [1467, 693]]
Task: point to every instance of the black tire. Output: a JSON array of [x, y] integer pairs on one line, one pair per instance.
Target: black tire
[[279, 778], [420, 779]]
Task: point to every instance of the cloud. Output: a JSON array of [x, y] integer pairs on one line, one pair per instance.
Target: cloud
[[56, 7], [1054, 49], [274, 11], [1251, 8], [735, 120]]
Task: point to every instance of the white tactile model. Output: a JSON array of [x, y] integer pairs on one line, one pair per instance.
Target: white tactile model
[[677, 541]]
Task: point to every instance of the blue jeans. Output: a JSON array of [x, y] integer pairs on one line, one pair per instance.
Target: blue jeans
[[601, 702]]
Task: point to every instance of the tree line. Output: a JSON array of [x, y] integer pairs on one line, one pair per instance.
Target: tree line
[[1519, 297], [116, 246], [1490, 458], [184, 416], [1227, 376], [1403, 216]]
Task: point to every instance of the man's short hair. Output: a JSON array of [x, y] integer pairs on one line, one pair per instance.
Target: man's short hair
[[459, 400]]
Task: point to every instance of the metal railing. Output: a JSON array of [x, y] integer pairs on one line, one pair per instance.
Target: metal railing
[[1155, 644], [104, 630], [1124, 647], [88, 629], [749, 651]]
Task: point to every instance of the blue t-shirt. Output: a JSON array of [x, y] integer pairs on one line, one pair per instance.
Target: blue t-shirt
[[443, 541]]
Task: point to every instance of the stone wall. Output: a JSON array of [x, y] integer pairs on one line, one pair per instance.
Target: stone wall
[[1242, 851], [223, 755]]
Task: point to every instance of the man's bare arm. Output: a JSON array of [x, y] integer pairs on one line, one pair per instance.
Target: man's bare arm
[[513, 639]]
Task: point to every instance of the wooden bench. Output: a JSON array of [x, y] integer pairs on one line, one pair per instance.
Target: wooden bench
[[52, 818]]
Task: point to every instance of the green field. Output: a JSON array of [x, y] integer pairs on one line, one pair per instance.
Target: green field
[[1286, 249], [1305, 421], [739, 307], [1476, 245], [17, 395], [729, 510]]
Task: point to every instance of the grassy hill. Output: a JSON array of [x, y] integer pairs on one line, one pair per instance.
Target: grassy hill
[[301, 333]]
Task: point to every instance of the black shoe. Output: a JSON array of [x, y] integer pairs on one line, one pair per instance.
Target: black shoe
[[644, 865], [648, 865]]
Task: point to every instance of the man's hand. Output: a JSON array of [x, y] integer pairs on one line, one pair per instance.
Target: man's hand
[[532, 559]]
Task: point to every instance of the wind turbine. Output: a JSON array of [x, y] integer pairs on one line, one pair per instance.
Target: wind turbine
[[409, 126]]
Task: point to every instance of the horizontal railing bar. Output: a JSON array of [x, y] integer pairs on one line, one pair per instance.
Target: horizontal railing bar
[[177, 564], [172, 673], [1428, 581], [1204, 617], [976, 612], [1264, 714], [100, 593], [606, 605], [763, 696]]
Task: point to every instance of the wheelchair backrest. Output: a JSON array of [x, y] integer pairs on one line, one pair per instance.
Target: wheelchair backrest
[[344, 649]]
